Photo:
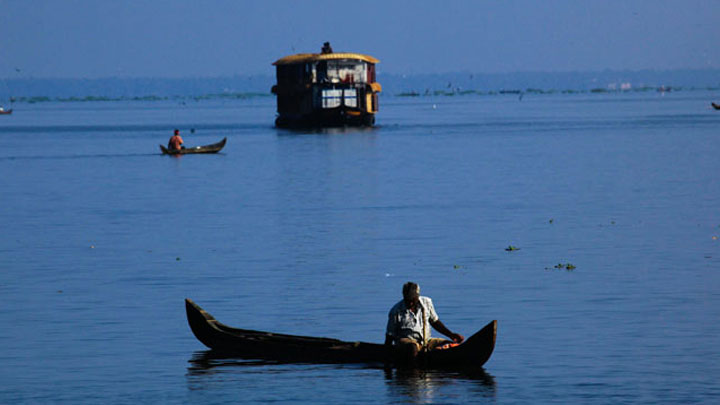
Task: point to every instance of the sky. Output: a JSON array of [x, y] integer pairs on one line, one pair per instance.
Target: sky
[[209, 38]]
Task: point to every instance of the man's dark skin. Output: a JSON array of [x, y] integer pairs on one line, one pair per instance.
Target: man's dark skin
[[414, 304]]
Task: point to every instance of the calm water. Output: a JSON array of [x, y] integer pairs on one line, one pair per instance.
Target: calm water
[[101, 239]]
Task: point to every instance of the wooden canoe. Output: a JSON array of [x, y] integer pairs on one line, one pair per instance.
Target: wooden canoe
[[214, 148], [251, 344]]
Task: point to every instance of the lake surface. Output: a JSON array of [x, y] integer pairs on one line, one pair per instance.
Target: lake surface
[[102, 238]]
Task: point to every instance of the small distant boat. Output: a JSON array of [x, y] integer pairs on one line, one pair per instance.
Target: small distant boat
[[5, 112], [214, 148], [251, 344], [715, 106]]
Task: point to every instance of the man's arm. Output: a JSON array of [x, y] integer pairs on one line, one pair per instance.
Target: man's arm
[[440, 327], [388, 340]]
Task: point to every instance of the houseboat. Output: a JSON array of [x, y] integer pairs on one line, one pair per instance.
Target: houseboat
[[326, 89]]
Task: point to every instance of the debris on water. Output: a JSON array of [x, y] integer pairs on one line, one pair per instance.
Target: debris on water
[[177, 259], [457, 266], [59, 291], [566, 266], [552, 220], [715, 238], [511, 248], [92, 246]]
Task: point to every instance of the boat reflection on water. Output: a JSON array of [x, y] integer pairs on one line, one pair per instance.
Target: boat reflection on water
[[422, 385], [207, 361], [328, 131], [416, 385]]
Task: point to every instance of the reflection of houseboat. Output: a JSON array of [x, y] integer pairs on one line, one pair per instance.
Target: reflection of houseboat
[[326, 89]]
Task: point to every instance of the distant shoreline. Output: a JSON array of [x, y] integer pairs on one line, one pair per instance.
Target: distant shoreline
[[34, 90], [412, 94]]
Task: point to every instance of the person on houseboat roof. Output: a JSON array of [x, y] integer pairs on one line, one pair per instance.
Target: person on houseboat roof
[[326, 48], [175, 142], [409, 323]]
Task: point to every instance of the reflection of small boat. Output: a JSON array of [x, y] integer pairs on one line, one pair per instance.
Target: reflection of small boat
[[716, 106], [5, 112], [251, 344], [214, 148]]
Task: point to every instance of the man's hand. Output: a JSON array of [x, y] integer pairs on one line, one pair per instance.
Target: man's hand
[[457, 338]]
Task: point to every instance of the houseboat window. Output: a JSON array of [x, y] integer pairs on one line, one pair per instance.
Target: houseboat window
[[350, 97], [308, 74], [346, 71], [310, 67], [331, 98], [292, 74], [322, 68]]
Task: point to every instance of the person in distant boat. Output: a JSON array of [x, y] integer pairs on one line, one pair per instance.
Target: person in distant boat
[[326, 48], [409, 322], [175, 142]]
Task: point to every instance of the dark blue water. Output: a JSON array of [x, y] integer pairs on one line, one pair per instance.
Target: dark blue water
[[101, 239]]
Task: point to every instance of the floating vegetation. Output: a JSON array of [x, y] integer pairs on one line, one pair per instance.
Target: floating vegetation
[[449, 92], [612, 88], [566, 266], [33, 100], [149, 98], [86, 99], [511, 248], [229, 96]]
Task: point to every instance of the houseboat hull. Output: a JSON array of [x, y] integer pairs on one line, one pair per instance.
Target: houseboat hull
[[335, 117]]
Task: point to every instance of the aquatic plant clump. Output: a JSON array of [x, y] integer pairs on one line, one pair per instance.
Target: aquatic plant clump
[[566, 266]]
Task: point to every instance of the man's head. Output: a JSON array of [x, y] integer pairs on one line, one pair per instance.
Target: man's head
[[411, 293], [177, 132]]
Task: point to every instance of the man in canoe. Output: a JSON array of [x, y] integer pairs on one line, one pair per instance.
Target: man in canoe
[[409, 323], [175, 142]]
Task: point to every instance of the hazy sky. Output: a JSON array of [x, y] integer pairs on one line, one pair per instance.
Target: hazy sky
[[151, 38]]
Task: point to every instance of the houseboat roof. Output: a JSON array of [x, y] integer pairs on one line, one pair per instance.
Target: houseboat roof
[[314, 57]]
